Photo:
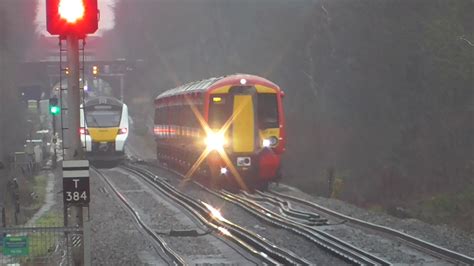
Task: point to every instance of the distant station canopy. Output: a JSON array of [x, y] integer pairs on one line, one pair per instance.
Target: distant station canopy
[[79, 17]]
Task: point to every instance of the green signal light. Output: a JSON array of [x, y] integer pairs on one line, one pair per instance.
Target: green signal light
[[54, 110]]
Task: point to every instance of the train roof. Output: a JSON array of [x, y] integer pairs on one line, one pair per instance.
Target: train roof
[[204, 85], [103, 100]]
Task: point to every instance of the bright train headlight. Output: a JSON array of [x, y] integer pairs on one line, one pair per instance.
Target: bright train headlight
[[224, 171], [266, 143], [270, 142], [215, 141]]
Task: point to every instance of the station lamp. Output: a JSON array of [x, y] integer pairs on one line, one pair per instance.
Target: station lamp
[[54, 108], [78, 17]]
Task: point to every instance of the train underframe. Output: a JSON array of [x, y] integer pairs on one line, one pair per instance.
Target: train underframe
[[106, 152]]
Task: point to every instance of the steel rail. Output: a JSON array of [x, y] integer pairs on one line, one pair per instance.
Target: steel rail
[[286, 210], [425, 246], [247, 239], [175, 258], [338, 247]]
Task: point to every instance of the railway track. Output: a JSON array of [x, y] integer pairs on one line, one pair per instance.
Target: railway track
[[254, 244], [300, 223], [170, 256], [285, 209], [419, 244], [335, 246]]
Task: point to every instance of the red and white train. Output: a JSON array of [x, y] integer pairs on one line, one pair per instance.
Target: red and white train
[[228, 129]]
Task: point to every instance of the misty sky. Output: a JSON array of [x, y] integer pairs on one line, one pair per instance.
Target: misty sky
[[107, 18]]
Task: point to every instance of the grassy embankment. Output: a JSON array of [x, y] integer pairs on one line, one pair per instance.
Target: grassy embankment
[[38, 192], [448, 208], [41, 244], [453, 209]]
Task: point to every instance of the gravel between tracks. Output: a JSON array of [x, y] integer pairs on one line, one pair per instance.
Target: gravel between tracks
[[164, 216], [115, 238]]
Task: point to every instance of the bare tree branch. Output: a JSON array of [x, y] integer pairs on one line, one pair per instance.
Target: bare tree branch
[[325, 11], [466, 40]]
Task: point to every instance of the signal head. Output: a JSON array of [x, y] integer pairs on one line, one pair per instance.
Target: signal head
[[71, 10], [54, 108], [95, 70], [79, 17]]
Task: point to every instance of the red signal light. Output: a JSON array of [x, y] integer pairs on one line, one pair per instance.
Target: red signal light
[[79, 17], [71, 10]]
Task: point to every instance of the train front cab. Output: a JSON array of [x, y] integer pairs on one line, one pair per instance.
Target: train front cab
[[104, 132], [254, 139]]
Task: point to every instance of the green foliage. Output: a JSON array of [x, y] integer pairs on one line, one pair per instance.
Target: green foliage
[[42, 243], [449, 39], [49, 219], [449, 208], [39, 190]]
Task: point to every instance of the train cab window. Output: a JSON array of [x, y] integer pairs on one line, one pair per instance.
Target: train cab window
[[103, 116], [267, 110], [220, 110]]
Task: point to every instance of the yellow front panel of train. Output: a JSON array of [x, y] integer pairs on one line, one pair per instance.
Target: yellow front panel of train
[[243, 125], [103, 134], [269, 132]]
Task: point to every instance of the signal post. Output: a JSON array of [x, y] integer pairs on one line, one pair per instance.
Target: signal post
[[72, 20], [54, 110]]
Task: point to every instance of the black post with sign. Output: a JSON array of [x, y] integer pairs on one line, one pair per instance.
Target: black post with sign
[[76, 190], [76, 196]]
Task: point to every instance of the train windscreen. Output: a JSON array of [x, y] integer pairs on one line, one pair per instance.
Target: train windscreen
[[220, 110], [267, 110], [103, 116]]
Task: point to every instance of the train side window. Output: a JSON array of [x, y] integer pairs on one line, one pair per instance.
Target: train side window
[[267, 110], [194, 119], [182, 115], [161, 112], [158, 116], [173, 115], [186, 116], [162, 115], [177, 117], [167, 115]]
